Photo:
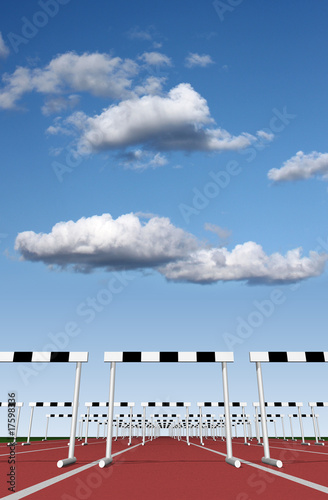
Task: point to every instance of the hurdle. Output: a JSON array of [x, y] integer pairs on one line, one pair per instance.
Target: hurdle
[[278, 357], [16, 405], [277, 415], [314, 420], [33, 405], [55, 415], [166, 416], [104, 404], [164, 404], [55, 357], [222, 404], [167, 357]]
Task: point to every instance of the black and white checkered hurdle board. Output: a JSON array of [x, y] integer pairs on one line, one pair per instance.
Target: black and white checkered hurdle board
[[168, 357], [55, 357], [18, 405], [105, 404], [279, 357]]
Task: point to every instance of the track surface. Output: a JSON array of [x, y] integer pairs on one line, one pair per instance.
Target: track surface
[[167, 468]]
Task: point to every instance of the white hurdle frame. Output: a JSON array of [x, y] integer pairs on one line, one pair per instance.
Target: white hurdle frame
[[104, 404], [163, 405], [278, 357], [41, 404], [55, 357], [163, 357], [315, 421]]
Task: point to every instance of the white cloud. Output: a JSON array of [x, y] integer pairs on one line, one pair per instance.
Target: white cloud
[[175, 121], [247, 262], [156, 59], [100, 74], [153, 85], [301, 166], [194, 59], [101, 241], [4, 50], [142, 160], [267, 136], [138, 34], [129, 242]]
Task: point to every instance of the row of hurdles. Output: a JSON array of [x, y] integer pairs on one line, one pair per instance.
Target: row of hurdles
[[172, 357]]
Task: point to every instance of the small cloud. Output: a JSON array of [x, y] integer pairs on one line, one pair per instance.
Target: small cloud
[[301, 166], [194, 59], [222, 233], [267, 136], [138, 34], [4, 50], [143, 160], [156, 59]]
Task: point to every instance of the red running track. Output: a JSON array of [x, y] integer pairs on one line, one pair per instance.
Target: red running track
[[169, 469]]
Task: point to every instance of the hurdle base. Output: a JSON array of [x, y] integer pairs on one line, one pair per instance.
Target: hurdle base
[[320, 444], [272, 461], [26, 444], [105, 461], [85, 444], [247, 444], [233, 461], [305, 444], [65, 462]]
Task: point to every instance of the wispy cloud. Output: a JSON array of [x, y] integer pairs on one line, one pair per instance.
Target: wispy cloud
[[301, 166], [156, 59], [129, 242], [194, 59], [4, 50]]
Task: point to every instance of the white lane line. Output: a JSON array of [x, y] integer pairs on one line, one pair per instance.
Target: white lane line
[[57, 479], [283, 475], [293, 449], [46, 449]]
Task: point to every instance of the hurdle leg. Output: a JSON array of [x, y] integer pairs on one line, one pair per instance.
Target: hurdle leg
[[46, 433], [200, 427], [108, 458], [71, 459], [301, 427], [266, 459], [130, 428], [229, 458], [317, 420], [257, 426], [291, 427], [283, 428], [244, 426], [315, 428], [187, 425], [29, 428], [143, 426], [16, 427], [86, 428]]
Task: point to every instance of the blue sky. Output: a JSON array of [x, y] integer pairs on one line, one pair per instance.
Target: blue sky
[[201, 130]]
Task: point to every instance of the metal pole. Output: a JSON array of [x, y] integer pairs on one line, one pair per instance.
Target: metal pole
[[30, 427], [130, 430], [86, 428], [144, 426], [200, 426], [291, 427], [229, 458], [257, 426], [71, 459], [283, 427], [187, 425], [46, 434], [266, 459], [301, 426], [108, 458]]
